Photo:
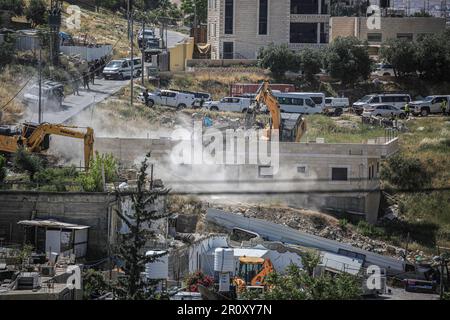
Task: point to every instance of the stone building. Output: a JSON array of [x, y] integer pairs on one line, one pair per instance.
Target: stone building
[[237, 29]]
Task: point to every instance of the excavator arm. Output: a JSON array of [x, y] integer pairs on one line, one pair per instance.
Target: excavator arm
[[35, 140], [259, 279], [264, 96]]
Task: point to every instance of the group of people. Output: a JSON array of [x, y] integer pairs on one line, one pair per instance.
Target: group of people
[[87, 74]]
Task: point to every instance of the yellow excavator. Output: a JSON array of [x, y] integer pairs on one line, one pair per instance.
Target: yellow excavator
[[290, 126], [252, 272], [35, 138]]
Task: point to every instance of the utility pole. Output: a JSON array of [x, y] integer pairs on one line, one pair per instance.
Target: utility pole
[[143, 44], [128, 19], [40, 87], [132, 61]]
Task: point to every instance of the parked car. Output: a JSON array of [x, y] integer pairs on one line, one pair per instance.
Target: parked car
[[229, 104], [397, 100], [383, 69], [121, 69], [383, 110], [169, 98], [52, 95], [335, 106], [431, 104]]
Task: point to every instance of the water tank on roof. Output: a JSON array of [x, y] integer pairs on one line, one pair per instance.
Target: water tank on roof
[[159, 268], [224, 260]]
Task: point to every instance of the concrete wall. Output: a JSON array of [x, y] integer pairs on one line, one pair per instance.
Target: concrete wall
[[180, 53], [390, 27], [90, 209]]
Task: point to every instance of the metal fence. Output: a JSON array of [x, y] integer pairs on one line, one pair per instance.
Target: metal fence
[[87, 53]]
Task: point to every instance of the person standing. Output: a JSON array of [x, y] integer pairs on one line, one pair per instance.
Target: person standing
[[86, 80], [407, 110], [76, 85], [444, 106], [145, 94], [92, 73]]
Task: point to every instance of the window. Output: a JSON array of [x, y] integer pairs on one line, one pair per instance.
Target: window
[[265, 172], [405, 36], [263, 13], [302, 169], [323, 33], [303, 32], [229, 13], [339, 174], [304, 6], [374, 37], [375, 100], [228, 50], [387, 99], [317, 100], [401, 99], [439, 99]]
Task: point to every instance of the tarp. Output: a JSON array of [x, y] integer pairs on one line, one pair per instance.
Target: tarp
[[203, 48]]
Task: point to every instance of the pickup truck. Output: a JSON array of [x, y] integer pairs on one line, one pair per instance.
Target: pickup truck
[[335, 106], [179, 100], [431, 104], [229, 104]]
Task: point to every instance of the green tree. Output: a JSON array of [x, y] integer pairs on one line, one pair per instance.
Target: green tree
[[36, 12], [15, 6], [25, 161], [7, 53], [195, 9], [310, 62], [347, 59], [402, 54], [132, 244], [101, 165], [94, 284], [2, 168], [299, 284], [405, 173], [278, 59], [56, 179], [433, 56]]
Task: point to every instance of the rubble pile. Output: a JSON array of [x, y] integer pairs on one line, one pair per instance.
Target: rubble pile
[[322, 225]]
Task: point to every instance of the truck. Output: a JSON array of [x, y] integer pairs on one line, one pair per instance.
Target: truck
[[169, 98], [229, 104], [335, 106], [430, 104]]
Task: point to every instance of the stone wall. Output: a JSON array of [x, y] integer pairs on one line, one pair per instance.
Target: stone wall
[[91, 209]]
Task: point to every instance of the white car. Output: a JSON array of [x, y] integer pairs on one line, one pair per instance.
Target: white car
[[169, 98], [384, 69], [383, 110], [397, 100], [229, 104], [121, 69]]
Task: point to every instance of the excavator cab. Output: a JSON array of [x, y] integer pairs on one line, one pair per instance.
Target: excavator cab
[[252, 272], [29, 128]]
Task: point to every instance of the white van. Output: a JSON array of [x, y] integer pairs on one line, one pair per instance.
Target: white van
[[397, 100], [169, 98], [296, 102], [121, 69], [317, 97]]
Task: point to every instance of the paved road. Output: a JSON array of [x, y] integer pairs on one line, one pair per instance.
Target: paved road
[[74, 104], [102, 89]]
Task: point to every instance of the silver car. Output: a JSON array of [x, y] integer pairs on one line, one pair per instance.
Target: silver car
[[383, 110]]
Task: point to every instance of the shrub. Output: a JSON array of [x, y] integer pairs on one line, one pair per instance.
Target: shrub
[[402, 54], [405, 173], [16, 6], [92, 181], [347, 59], [24, 161], [7, 51], [36, 12], [56, 179], [198, 278], [278, 59]]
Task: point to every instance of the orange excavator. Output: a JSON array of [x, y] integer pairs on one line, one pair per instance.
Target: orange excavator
[[290, 126], [35, 138], [252, 272]]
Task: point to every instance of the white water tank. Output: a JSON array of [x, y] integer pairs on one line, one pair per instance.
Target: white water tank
[[224, 260], [158, 269]]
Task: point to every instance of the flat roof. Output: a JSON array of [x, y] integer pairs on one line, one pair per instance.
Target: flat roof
[[52, 224]]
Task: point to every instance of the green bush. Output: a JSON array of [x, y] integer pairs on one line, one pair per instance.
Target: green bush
[[278, 59], [92, 181], [36, 12], [347, 59], [56, 179], [7, 53], [402, 54], [310, 62], [26, 162], [405, 173], [16, 6]]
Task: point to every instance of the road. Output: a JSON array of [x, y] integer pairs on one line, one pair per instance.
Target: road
[[102, 89]]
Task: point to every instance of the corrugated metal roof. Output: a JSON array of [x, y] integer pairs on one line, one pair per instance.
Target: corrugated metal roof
[[52, 224]]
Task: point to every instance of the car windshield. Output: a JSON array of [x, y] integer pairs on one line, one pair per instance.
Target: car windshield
[[114, 64], [429, 98], [365, 99]]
